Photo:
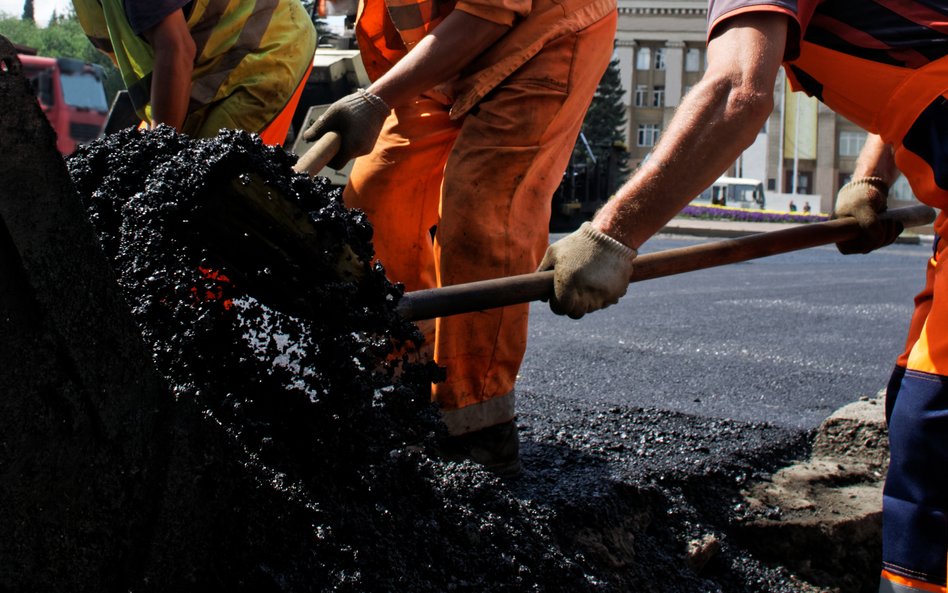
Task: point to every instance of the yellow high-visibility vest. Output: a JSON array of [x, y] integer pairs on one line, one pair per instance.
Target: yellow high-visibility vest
[[251, 56]]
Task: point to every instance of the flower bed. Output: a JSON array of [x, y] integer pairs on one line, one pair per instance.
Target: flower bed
[[747, 215]]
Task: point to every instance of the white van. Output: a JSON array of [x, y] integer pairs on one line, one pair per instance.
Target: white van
[[736, 192]]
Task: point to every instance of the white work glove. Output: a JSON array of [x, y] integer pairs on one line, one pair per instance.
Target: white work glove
[[591, 271], [864, 199], [358, 119]]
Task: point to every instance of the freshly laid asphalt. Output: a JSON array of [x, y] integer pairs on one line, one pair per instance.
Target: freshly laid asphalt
[[785, 339], [703, 384]]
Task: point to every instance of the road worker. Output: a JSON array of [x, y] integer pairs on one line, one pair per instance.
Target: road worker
[[206, 65], [466, 131], [883, 65]]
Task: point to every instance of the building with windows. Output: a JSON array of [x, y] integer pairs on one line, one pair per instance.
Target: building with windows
[[805, 148]]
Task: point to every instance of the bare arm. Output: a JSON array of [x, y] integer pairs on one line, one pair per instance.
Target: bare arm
[[174, 64], [716, 121], [866, 196], [876, 159], [453, 44]]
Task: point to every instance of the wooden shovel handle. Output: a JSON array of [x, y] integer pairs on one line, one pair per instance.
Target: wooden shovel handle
[[319, 154], [500, 292]]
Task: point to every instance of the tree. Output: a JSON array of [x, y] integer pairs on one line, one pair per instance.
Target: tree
[[605, 120], [28, 14], [63, 37], [603, 127]]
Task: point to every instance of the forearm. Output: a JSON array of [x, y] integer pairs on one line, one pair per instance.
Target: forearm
[[706, 136], [172, 70], [876, 159], [716, 121], [171, 91], [437, 58]]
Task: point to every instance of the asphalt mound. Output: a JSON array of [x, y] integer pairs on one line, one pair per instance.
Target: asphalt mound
[[303, 436], [312, 429]]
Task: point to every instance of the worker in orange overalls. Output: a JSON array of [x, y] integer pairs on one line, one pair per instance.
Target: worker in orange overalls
[[203, 66], [467, 129], [883, 65]]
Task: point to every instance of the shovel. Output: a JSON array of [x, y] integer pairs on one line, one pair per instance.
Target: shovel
[[319, 154], [295, 230], [501, 292]]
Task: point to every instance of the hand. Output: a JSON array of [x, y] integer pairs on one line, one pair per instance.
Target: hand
[[591, 271], [864, 199], [358, 119]]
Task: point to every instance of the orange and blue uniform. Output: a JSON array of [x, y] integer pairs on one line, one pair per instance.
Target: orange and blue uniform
[[884, 65], [459, 185]]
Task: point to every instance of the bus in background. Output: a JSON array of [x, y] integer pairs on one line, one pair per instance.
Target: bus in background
[[72, 96], [735, 192]]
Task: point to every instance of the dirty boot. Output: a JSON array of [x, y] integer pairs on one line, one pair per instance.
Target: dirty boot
[[496, 448]]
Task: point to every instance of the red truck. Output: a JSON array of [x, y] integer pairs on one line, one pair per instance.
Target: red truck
[[72, 96]]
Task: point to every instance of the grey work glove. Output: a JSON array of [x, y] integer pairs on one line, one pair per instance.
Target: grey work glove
[[591, 271], [864, 199], [358, 119]]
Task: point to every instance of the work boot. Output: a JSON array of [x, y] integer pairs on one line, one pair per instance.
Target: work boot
[[496, 448]]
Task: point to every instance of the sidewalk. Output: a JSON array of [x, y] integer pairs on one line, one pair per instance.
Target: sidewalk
[[700, 227]]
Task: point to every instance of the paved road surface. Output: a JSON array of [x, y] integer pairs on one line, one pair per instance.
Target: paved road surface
[[785, 339]]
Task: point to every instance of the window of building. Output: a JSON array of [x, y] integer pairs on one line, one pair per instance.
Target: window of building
[[643, 59], [647, 134], [804, 181], [692, 59], [658, 96], [660, 59], [641, 91], [850, 143]]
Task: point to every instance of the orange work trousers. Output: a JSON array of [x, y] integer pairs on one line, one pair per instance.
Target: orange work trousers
[[455, 201]]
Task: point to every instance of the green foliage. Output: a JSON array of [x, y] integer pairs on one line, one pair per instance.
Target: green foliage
[[19, 31], [63, 37], [28, 13]]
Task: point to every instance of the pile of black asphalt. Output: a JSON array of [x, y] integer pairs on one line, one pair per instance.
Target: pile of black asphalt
[[310, 436]]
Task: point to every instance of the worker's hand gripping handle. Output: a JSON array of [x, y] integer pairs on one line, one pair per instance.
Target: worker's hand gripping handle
[[319, 154]]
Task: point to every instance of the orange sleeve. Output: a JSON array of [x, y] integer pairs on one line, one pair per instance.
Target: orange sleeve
[[502, 12]]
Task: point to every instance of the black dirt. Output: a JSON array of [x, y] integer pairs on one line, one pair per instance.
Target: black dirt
[[307, 439]]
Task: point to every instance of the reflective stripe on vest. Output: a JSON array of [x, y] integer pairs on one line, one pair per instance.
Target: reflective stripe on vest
[[893, 583], [207, 86]]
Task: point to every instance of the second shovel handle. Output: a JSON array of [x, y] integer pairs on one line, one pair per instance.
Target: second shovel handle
[[500, 292], [319, 154]]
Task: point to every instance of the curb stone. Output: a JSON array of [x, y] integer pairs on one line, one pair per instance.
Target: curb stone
[[825, 512]]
